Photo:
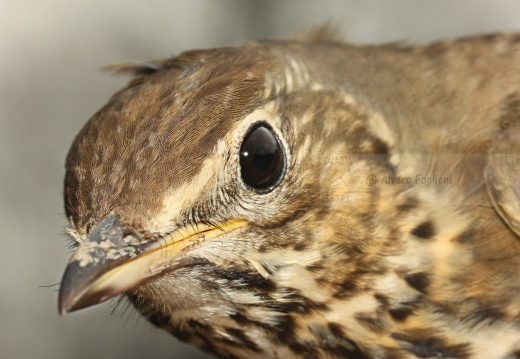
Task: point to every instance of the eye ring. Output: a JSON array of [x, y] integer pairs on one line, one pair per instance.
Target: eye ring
[[262, 159]]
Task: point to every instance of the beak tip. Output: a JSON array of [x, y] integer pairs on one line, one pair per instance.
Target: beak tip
[[70, 304], [71, 290], [64, 306]]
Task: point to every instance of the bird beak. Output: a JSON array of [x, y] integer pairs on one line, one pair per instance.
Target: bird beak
[[106, 265]]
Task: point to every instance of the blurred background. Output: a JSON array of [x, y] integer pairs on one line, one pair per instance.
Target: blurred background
[[50, 53]]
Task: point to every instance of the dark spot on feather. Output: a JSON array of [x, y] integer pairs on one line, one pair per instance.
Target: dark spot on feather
[[382, 299], [425, 230], [315, 267], [418, 281], [304, 351], [344, 347], [300, 247], [285, 330], [245, 321], [198, 326], [243, 339], [350, 284], [336, 329], [240, 279], [379, 147], [425, 343], [486, 315], [345, 289], [466, 236], [240, 318], [370, 322], [401, 314], [263, 248], [409, 204]]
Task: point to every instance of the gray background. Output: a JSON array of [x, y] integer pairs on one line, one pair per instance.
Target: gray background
[[50, 52]]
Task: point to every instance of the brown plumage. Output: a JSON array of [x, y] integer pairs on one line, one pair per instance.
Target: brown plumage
[[309, 199]]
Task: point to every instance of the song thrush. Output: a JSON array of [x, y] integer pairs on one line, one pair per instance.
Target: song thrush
[[309, 199]]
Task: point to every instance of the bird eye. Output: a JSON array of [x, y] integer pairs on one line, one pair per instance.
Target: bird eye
[[262, 159]]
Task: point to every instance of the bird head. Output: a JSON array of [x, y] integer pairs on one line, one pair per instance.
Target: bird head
[[223, 188]]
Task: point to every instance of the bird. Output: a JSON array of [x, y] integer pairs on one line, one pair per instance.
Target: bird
[[308, 198]]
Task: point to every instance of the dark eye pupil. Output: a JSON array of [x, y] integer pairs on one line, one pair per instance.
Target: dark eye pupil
[[261, 159]]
